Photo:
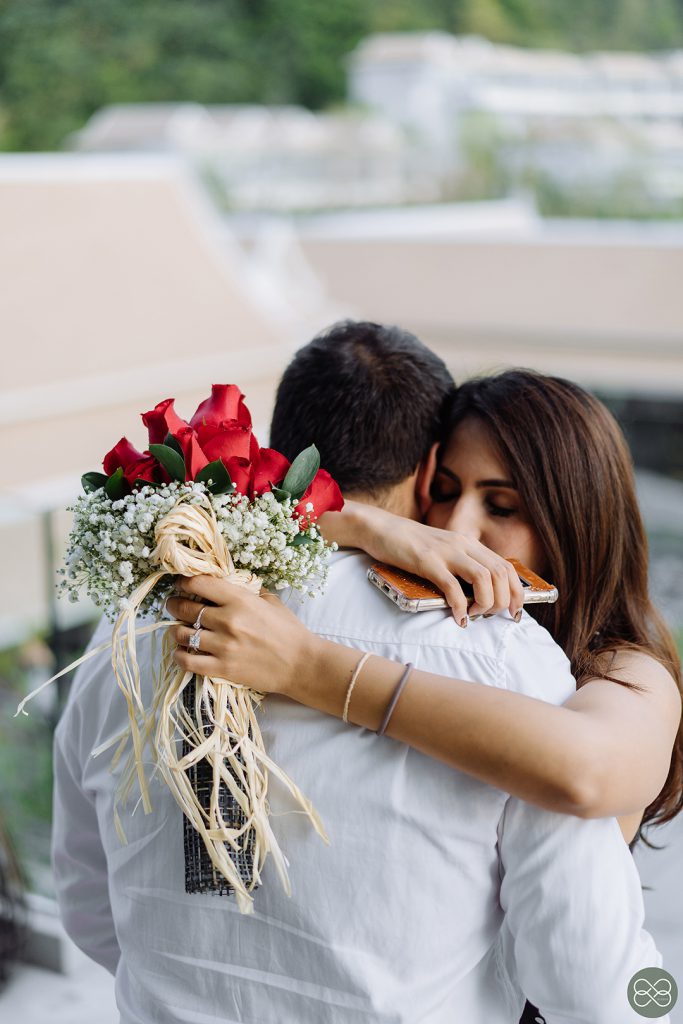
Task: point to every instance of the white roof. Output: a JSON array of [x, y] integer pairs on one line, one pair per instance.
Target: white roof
[[631, 67], [401, 46], [474, 54], [120, 288], [148, 126]]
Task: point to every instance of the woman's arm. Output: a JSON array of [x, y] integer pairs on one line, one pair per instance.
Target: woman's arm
[[436, 555], [605, 753], [636, 730]]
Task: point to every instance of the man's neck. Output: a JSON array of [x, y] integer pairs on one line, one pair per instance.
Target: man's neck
[[399, 499]]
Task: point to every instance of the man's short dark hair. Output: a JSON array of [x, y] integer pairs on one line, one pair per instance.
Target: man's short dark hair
[[372, 398]]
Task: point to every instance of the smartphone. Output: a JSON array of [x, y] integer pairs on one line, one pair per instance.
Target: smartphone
[[413, 594]]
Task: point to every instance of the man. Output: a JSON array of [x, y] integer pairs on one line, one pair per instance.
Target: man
[[440, 900]]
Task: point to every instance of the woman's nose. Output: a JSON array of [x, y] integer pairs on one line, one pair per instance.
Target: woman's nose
[[464, 519]]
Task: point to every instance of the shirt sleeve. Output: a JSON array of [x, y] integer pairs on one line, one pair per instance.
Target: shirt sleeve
[[78, 860], [573, 928], [534, 664]]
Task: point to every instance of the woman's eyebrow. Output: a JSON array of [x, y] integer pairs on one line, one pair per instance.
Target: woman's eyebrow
[[480, 483], [448, 472], [497, 483]]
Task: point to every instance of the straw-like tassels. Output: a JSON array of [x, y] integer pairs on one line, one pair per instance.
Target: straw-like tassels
[[189, 543]]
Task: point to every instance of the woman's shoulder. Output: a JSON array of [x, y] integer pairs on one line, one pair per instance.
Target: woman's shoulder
[[639, 666], [647, 678]]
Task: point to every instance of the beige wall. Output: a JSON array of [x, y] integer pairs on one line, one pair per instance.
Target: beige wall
[[609, 315], [120, 287]]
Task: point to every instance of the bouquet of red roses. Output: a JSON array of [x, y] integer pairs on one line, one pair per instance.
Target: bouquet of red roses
[[204, 498]]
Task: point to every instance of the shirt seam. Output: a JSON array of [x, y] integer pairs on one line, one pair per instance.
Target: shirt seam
[[384, 642], [503, 659]]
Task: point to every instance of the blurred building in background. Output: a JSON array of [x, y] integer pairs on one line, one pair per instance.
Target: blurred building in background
[[434, 117]]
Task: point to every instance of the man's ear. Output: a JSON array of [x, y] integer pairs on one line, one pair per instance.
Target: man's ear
[[423, 482]]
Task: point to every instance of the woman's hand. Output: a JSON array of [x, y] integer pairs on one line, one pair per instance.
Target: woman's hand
[[246, 638], [436, 555]]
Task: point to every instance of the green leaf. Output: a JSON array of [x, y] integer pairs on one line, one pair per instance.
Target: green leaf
[[93, 481], [281, 494], [145, 483], [219, 477], [300, 539], [116, 485], [301, 472], [173, 442], [173, 463]]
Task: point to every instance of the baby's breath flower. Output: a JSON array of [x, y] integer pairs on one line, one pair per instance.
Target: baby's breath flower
[[110, 544]]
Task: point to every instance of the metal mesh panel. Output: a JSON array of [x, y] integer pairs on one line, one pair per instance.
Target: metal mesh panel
[[200, 874]]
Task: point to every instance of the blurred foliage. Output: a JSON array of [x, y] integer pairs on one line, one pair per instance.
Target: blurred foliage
[[496, 161], [484, 172], [60, 60], [626, 197], [25, 764], [26, 746]]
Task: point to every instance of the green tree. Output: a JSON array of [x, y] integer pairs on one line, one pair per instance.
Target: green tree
[[60, 60], [488, 18]]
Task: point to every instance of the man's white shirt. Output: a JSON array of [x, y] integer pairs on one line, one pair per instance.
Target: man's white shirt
[[439, 901]]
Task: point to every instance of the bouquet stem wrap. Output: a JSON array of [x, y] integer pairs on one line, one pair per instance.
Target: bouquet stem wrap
[[218, 727]]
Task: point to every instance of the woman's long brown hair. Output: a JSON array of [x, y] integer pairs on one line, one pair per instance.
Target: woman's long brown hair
[[574, 473]]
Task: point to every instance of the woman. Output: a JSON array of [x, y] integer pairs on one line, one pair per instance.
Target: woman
[[534, 468]]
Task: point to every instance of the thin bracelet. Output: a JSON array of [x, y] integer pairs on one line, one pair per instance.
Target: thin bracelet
[[394, 700], [354, 677]]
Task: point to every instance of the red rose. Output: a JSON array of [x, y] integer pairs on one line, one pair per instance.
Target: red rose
[[226, 403], [144, 469], [162, 420], [269, 468], [239, 471], [123, 455], [225, 440], [195, 458], [324, 494]]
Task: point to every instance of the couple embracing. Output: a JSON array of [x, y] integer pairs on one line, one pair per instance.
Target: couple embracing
[[480, 773]]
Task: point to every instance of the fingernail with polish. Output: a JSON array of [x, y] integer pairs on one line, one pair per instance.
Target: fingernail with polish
[[518, 615], [463, 622]]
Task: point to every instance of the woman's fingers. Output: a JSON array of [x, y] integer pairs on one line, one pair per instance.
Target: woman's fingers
[[242, 637], [201, 664], [187, 611], [208, 588], [516, 593], [502, 583], [451, 589], [209, 643], [483, 584], [495, 583], [490, 576]]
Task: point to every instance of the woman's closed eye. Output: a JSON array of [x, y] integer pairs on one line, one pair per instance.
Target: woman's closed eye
[[504, 511]]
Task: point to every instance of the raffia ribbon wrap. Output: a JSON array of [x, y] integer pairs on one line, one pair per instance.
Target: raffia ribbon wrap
[[189, 543]]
